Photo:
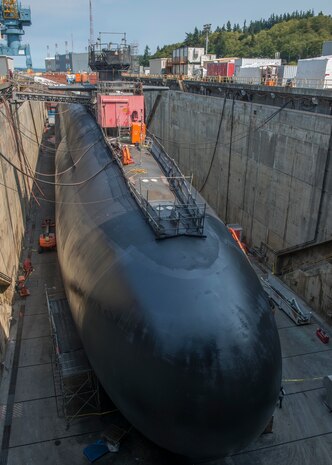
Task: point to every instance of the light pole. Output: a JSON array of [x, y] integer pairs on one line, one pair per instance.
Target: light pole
[[207, 29]]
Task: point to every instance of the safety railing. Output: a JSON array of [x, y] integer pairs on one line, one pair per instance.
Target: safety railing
[[171, 219], [75, 382], [184, 216], [324, 83], [112, 87]]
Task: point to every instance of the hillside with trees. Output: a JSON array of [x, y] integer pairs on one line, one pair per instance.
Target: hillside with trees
[[294, 35]]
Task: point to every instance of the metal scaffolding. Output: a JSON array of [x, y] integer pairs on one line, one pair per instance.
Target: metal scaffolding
[[57, 98], [76, 384]]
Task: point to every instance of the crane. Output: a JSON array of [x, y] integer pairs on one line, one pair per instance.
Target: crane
[[13, 17]]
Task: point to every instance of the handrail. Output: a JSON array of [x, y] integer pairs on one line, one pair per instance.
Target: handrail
[[184, 216], [324, 83]]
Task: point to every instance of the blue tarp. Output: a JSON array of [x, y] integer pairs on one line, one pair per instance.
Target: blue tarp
[[96, 450]]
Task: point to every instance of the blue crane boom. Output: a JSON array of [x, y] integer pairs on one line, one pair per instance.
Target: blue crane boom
[[13, 17]]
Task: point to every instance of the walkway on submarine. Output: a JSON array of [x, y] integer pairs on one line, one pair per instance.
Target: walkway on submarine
[[33, 433]]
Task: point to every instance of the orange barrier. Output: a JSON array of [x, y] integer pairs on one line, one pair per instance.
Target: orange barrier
[[237, 240], [126, 157]]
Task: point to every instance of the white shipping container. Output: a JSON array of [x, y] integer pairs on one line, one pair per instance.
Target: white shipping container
[[285, 73], [315, 73], [189, 69], [176, 69], [241, 62], [195, 54], [249, 75], [157, 65], [207, 58]]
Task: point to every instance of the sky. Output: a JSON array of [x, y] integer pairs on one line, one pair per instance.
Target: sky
[[146, 22]]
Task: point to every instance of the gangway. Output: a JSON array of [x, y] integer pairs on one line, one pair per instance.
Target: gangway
[[290, 306], [46, 97]]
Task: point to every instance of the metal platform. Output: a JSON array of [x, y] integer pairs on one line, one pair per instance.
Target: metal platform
[[288, 304], [163, 193], [56, 98], [76, 383]]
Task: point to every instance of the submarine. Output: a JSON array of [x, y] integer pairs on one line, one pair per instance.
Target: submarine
[[172, 316]]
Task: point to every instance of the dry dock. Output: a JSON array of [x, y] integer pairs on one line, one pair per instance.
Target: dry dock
[[33, 432]]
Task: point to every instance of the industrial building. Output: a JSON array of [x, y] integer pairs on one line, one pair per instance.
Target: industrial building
[[187, 60], [75, 62], [190, 61]]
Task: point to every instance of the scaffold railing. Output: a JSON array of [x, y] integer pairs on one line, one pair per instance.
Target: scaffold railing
[[76, 384], [182, 217]]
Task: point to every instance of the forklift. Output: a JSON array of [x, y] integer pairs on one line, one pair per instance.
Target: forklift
[[47, 240]]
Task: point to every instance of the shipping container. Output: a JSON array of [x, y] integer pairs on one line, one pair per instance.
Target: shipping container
[[186, 69], [241, 62], [195, 54], [158, 65], [176, 53], [184, 55], [220, 69], [315, 73], [119, 110], [286, 74], [249, 75]]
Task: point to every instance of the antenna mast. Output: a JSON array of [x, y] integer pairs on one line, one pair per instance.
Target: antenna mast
[[91, 24]]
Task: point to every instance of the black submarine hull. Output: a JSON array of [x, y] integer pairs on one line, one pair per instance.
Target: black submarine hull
[[178, 331]]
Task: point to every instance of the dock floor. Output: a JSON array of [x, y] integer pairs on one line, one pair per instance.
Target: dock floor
[[33, 433]]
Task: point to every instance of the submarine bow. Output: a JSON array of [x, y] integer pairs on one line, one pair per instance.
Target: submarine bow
[[178, 331]]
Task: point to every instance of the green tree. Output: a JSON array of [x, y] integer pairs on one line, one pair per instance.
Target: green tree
[[295, 35], [144, 60]]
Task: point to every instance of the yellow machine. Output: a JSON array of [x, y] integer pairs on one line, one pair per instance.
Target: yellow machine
[[9, 9]]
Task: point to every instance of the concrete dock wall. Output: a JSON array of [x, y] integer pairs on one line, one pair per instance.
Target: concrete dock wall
[[263, 167], [20, 135]]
